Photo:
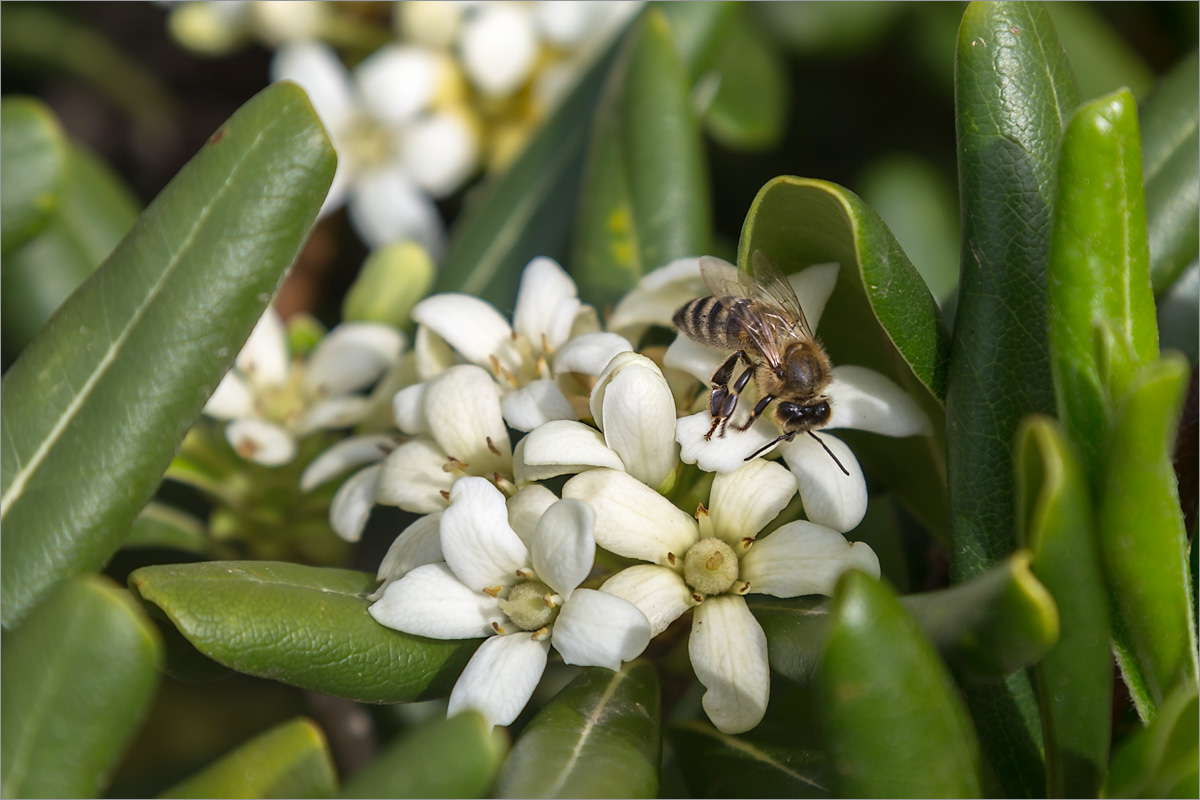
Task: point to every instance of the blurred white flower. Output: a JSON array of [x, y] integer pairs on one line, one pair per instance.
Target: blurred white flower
[[399, 145], [216, 28], [709, 562], [523, 598], [271, 400]]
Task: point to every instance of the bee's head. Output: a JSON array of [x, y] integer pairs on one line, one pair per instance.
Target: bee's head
[[795, 417]]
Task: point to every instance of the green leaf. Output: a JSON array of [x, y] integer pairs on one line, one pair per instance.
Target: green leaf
[[79, 675], [1142, 540], [1074, 680], [697, 28], [985, 628], [1170, 144], [1161, 760], [598, 737], [829, 28], [161, 525], [895, 724], [527, 211], [645, 198], [33, 168], [716, 764], [881, 315], [290, 760], [1179, 315], [392, 280], [744, 86], [96, 211], [1102, 57], [1013, 91], [96, 405], [456, 757], [1099, 264], [304, 626]]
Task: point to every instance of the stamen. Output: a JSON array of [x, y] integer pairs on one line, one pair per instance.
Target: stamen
[[540, 634], [747, 541], [697, 598], [492, 446], [671, 559], [551, 600], [526, 573], [444, 494], [701, 511], [493, 591], [496, 627], [744, 588]]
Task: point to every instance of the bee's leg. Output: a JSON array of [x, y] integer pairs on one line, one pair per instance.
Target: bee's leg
[[722, 401], [759, 408], [734, 393]]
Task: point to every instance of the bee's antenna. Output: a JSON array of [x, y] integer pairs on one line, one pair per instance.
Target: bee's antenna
[[827, 450], [768, 446]]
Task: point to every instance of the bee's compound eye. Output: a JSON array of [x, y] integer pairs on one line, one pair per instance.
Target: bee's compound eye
[[796, 414]]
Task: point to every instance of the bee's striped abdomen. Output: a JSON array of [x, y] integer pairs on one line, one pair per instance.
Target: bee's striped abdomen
[[708, 321]]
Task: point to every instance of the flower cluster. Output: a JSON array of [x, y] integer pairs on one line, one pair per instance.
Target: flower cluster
[[499, 554]]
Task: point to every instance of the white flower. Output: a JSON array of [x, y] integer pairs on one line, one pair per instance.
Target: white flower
[[709, 563], [860, 398], [271, 401], [634, 410], [523, 598], [396, 144], [553, 336]]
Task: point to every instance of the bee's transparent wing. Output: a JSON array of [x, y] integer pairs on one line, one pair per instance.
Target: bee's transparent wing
[[775, 288], [769, 322]]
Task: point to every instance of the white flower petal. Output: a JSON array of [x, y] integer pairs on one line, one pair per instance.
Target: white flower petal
[[412, 477], [333, 412], [633, 520], [261, 442], [321, 75], [590, 353], [638, 419], [742, 503], [471, 326], [729, 655], [803, 558], [288, 20], [346, 454], [264, 359], [547, 303], [726, 453], [389, 207], [397, 82], [831, 498], [498, 47], [561, 447], [351, 357], [500, 678], [535, 404], [462, 406], [408, 408], [441, 151], [813, 287], [232, 398], [526, 507], [431, 22], [563, 548], [600, 630], [657, 297], [658, 592], [417, 545], [351, 506], [480, 547], [865, 399], [432, 354], [430, 601], [698, 360]]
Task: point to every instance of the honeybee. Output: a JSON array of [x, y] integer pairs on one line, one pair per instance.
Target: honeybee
[[756, 314]]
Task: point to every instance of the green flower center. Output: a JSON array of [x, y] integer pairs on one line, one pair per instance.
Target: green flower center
[[710, 567], [531, 605]]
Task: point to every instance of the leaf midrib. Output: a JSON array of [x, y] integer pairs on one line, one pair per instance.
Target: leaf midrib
[[26, 472], [593, 719]]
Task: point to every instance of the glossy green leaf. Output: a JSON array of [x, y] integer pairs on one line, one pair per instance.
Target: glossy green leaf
[[744, 86], [645, 197], [161, 525], [1142, 540], [79, 675], [1074, 680], [456, 757], [96, 211], [1170, 119], [527, 211], [697, 28], [829, 28], [997, 622], [1103, 57], [304, 626], [716, 764], [1099, 264], [881, 315], [392, 280], [1013, 92], [96, 405], [290, 760], [894, 721], [33, 168], [1163, 759], [1179, 315], [598, 737]]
